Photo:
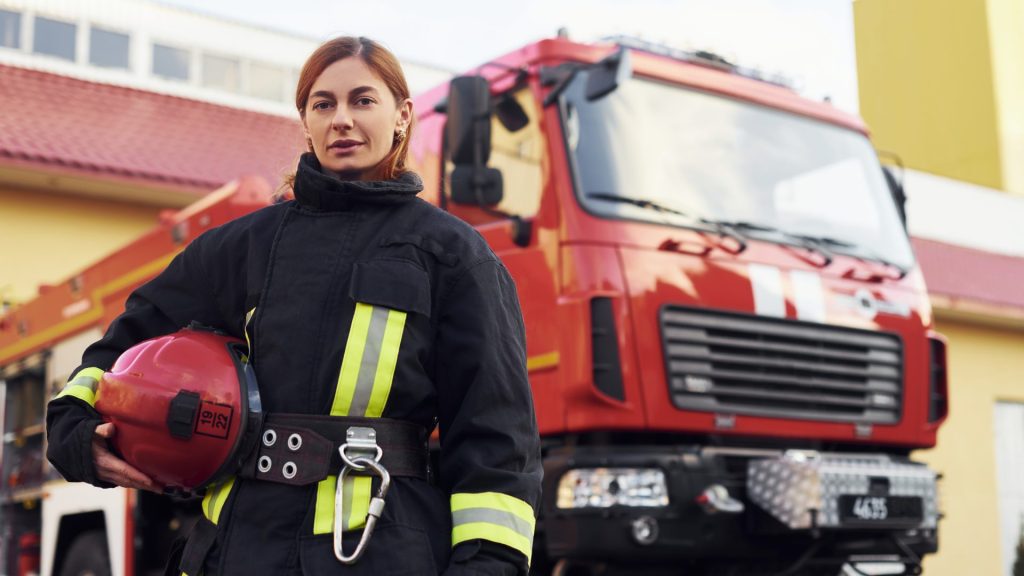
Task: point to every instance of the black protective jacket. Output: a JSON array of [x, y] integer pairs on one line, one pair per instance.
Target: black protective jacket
[[359, 299]]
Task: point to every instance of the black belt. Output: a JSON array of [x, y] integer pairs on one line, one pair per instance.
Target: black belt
[[301, 449]]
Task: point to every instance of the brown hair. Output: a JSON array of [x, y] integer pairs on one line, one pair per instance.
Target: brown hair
[[384, 64]]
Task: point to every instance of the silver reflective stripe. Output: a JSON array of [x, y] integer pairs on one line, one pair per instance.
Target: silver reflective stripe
[[368, 365], [84, 381], [505, 519]]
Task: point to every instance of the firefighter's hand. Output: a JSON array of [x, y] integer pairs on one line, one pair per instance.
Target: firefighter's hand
[[110, 468]]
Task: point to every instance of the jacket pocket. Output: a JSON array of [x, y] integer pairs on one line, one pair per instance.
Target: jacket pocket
[[393, 550], [394, 284]]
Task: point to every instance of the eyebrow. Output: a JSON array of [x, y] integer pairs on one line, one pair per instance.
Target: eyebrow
[[353, 92]]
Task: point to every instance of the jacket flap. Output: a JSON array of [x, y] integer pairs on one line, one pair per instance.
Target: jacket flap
[[392, 283]]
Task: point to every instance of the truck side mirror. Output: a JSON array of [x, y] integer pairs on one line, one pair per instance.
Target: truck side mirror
[[476, 186], [468, 135], [608, 74], [469, 121], [896, 190]]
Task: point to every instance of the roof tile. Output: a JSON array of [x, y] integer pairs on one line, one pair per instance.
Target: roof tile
[[56, 120], [972, 274]]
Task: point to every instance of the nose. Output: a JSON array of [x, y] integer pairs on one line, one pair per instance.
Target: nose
[[342, 119]]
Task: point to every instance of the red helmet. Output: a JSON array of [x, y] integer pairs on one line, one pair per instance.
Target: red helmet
[[184, 406]]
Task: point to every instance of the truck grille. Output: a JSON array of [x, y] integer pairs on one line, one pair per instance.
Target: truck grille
[[739, 364]]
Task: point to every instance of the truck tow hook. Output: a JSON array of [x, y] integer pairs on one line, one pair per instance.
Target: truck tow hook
[[715, 499]]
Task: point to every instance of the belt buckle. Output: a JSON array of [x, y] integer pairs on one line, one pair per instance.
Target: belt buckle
[[359, 453]]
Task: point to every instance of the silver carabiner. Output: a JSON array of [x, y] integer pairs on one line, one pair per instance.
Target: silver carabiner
[[376, 508]]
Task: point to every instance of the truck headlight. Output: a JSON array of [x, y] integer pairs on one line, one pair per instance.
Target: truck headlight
[[606, 487]]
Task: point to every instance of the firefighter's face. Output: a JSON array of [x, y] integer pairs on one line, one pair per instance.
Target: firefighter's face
[[352, 119]]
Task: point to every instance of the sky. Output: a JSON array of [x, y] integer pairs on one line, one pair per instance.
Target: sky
[[809, 42]]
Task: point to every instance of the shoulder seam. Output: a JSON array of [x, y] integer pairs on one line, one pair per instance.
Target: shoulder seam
[[465, 271]]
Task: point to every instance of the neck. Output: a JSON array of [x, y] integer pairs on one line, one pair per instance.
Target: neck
[[375, 173]]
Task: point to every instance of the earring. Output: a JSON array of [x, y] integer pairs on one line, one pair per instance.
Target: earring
[[400, 135]]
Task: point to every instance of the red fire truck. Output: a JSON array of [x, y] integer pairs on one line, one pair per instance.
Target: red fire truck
[[729, 341]]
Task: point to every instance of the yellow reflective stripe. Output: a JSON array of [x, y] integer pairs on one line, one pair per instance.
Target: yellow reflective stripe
[[83, 393], [495, 517], [352, 360], [83, 385], [213, 502], [323, 519], [94, 373], [387, 363], [364, 384], [494, 501], [360, 508], [358, 488], [493, 533]]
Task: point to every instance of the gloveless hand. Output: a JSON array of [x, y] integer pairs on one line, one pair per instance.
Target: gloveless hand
[[110, 468]]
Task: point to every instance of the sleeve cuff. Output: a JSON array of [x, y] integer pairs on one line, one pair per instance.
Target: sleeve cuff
[[494, 517], [83, 386]]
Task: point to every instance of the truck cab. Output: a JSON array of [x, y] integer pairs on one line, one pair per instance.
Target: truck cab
[[730, 342]]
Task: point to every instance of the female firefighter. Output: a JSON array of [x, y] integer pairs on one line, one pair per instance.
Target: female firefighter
[[357, 299]]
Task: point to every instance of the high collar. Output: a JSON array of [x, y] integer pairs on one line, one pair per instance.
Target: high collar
[[315, 189]]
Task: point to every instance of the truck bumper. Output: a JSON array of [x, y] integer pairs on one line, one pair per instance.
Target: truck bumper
[[791, 503]]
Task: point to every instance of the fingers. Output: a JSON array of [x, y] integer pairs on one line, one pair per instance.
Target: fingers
[[110, 468], [105, 430], [116, 471]]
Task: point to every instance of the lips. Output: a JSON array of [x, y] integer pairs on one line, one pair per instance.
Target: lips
[[344, 145]]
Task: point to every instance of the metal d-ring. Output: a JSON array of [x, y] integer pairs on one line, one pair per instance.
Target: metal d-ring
[[354, 463]]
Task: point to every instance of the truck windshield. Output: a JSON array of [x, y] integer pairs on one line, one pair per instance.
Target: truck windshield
[[702, 157]]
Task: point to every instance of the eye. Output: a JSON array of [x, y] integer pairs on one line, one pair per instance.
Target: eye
[[364, 101], [321, 105]]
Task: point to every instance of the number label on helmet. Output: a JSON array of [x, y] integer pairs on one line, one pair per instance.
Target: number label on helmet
[[214, 419]]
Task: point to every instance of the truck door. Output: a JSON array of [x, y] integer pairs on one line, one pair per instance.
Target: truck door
[[520, 153]]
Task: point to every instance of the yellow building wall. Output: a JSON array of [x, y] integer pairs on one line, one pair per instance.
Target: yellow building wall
[[1006, 26], [44, 238], [925, 75], [986, 365]]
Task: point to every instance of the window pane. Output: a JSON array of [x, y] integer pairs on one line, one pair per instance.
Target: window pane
[[266, 82], [519, 155], [10, 29], [222, 73], [108, 49], [170, 62], [54, 38]]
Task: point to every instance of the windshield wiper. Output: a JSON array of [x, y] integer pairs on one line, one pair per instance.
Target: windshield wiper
[[823, 240], [641, 202], [808, 243], [857, 251], [708, 225]]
